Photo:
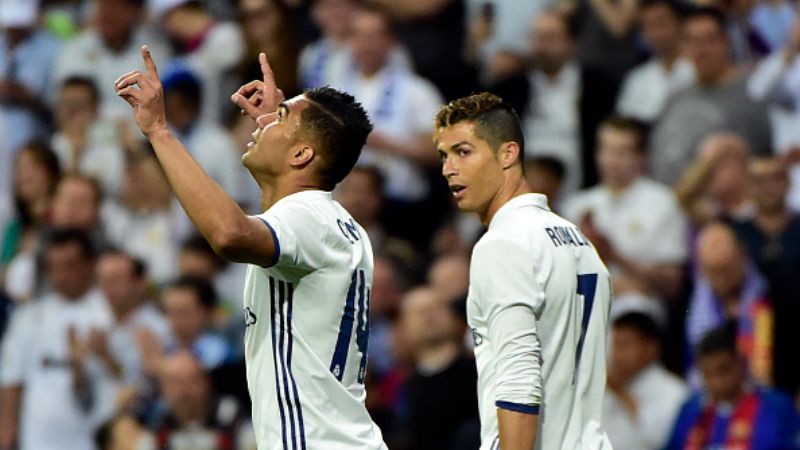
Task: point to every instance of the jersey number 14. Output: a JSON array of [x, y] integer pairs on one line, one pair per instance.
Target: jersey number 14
[[357, 295]]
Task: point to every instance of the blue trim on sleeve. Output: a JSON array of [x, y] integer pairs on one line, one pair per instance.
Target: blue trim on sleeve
[[275, 241], [518, 407]]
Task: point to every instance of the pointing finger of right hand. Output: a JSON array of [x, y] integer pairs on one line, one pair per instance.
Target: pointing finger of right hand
[[266, 70]]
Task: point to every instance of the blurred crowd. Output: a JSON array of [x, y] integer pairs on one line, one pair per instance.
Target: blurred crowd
[[668, 131]]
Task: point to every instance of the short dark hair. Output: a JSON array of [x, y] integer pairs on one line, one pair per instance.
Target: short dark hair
[[84, 82], [375, 174], [718, 340], [138, 267], [629, 125], [199, 244], [495, 121], [58, 237], [201, 287], [676, 8], [642, 323], [340, 126], [709, 12], [549, 164]]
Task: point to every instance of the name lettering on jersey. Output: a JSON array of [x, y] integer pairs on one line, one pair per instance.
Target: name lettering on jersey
[[349, 230], [477, 339], [249, 317], [567, 236]]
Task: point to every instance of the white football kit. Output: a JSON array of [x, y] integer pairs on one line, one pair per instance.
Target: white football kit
[[538, 308], [307, 325]]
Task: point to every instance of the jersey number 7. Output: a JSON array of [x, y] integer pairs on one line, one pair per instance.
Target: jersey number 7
[[587, 286]]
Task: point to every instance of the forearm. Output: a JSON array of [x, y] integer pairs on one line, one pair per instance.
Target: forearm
[[517, 430], [10, 400], [213, 212]]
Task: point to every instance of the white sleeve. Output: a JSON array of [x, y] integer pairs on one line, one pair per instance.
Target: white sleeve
[[510, 298], [16, 347], [296, 230]]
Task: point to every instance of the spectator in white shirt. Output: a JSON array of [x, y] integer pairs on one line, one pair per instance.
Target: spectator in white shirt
[[111, 42], [634, 222], [642, 398], [54, 391], [648, 86], [326, 60]]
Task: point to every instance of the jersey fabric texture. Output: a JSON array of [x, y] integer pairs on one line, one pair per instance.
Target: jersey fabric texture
[[538, 307], [307, 323]]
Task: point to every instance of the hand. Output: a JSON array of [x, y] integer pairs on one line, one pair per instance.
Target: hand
[[259, 97], [148, 100]]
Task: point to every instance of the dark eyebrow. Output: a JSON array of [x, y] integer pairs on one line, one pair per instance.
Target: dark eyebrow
[[459, 144]]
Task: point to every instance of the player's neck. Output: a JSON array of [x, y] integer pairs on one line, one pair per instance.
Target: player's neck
[[514, 186], [273, 191]]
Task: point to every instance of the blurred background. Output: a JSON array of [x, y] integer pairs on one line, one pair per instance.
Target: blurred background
[[668, 131]]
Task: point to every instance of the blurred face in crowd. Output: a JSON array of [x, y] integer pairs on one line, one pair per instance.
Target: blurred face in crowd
[[360, 194], [706, 45], [630, 352], [261, 19], [69, 270], [333, 17], [473, 170], [32, 181], [196, 263], [187, 317], [770, 184], [661, 29], [722, 260], [76, 204], [76, 108], [449, 275], [723, 375], [426, 319], [386, 290], [543, 181], [120, 284], [182, 112], [145, 185], [552, 46], [186, 388], [728, 175], [372, 40], [116, 20], [618, 159]]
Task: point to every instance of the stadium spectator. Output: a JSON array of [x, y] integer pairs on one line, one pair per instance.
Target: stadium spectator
[[729, 288], [566, 102], [36, 175], [729, 412], [448, 275], [441, 389], [634, 222], [271, 28], [642, 399], [361, 194], [136, 321], [189, 305], [112, 41], [772, 239], [144, 221], [76, 204], [772, 20], [84, 143], [715, 186], [648, 86], [206, 140], [55, 391], [719, 101], [195, 417], [210, 48], [546, 176], [747, 44], [26, 59], [326, 60]]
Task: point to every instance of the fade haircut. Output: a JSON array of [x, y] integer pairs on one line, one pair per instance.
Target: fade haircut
[[339, 127], [629, 125], [495, 121]]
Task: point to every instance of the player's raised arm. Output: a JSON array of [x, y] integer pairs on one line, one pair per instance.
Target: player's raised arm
[[232, 234]]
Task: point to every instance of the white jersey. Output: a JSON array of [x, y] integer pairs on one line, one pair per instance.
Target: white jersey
[[538, 306], [307, 325]]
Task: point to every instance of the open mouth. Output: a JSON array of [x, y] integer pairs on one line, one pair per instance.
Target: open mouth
[[457, 190]]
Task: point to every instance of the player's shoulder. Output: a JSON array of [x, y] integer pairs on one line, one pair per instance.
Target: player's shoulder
[[304, 205]]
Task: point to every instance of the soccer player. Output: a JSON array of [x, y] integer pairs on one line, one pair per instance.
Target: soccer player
[[539, 295], [307, 290]]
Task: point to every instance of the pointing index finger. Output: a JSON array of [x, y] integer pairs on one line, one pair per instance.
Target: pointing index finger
[[266, 70], [148, 63]]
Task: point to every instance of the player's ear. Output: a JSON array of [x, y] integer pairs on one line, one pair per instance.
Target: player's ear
[[509, 154], [302, 154]]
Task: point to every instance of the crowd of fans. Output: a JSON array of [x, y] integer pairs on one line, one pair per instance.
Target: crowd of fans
[[668, 131]]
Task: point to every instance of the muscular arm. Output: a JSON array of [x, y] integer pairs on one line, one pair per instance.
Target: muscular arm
[[10, 401], [517, 430], [232, 234]]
